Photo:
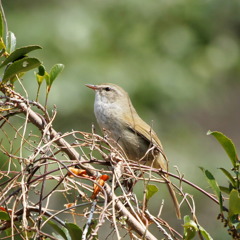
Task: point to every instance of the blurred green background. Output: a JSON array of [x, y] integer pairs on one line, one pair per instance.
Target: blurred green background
[[177, 59]]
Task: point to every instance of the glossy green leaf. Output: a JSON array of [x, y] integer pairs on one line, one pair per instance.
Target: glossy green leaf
[[57, 229], [8, 233], [4, 215], [47, 78], [41, 70], [227, 144], [19, 53], [190, 228], [74, 231], [40, 76], [229, 176], [151, 190], [55, 71], [10, 42], [205, 234], [234, 203], [214, 185], [13, 79], [58, 237], [20, 66], [66, 233]]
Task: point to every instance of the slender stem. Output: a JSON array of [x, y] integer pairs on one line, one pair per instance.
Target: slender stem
[[191, 184], [38, 90], [85, 231], [46, 99]]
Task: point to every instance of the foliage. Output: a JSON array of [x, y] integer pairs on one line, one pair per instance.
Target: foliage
[[191, 228], [37, 155], [230, 214]]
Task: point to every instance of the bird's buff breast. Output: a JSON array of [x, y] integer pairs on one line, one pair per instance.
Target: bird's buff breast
[[108, 117]]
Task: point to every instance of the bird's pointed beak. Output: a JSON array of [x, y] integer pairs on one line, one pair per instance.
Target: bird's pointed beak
[[94, 87]]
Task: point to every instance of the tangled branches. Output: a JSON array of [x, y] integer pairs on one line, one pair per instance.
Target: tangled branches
[[38, 177]]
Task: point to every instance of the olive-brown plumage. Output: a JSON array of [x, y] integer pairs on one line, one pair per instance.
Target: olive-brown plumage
[[115, 113]]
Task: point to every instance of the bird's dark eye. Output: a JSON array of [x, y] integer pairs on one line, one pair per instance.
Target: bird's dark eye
[[107, 89]]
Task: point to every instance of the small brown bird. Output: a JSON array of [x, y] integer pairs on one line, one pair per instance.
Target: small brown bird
[[115, 113]]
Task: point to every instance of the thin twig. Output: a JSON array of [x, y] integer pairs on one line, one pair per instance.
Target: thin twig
[[89, 221]]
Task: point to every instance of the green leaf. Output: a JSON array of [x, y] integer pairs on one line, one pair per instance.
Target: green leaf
[[8, 233], [40, 76], [19, 53], [57, 229], [1, 25], [2, 46], [55, 71], [4, 215], [10, 42], [66, 232], [228, 146], [74, 231], [41, 70], [205, 234], [47, 78], [21, 66], [151, 190], [58, 237], [229, 176], [214, 185], [190, 228], [225, 189], [234, 203]]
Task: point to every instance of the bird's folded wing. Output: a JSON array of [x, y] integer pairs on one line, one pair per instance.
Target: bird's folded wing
[[143, 129]]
